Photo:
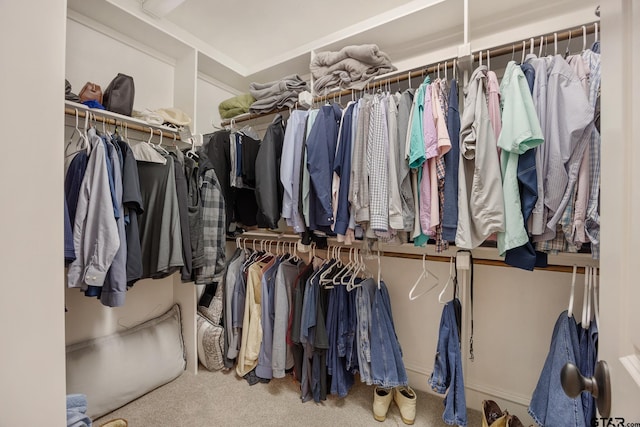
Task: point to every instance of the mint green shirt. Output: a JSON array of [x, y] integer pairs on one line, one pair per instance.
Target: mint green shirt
[[520, 132], [416, 149]]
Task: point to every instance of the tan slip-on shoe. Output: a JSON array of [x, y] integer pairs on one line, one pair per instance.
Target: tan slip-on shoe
[[118, 422], [405, 398], [381, 400], [492, 415]]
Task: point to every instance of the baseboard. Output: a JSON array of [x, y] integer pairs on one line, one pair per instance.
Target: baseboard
[[418, 376]]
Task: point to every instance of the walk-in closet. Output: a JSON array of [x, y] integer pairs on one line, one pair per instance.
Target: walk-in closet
[[333, 213]]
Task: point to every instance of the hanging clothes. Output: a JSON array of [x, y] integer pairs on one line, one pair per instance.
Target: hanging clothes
[[404, 177], [290, 176], [481, 201], [451, 162], [549, 404], [160, 233], [213, 228], [95, 231], [132, 202], [269, 190], [447, 369], [321, 147], [520, 133]]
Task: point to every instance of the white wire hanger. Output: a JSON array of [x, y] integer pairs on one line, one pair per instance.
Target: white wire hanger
[[424, 275], [596, 309], [573, 290], [451, 279], [586, 299]]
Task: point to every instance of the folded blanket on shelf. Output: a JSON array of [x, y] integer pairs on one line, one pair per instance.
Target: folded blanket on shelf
[[276, 95], [288, 83], [350, 68], [235, 106]]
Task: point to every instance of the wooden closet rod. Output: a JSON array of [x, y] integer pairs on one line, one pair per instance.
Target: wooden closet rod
[[69, 111], [447, 63], [253, 239]]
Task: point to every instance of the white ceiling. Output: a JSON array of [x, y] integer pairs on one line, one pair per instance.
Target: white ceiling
[[256, 40]]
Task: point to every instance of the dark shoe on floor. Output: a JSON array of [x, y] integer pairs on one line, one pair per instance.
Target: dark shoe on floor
[[492, 415]]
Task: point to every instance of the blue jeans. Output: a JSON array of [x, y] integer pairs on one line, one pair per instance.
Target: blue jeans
[[364, 298], [447, 369], [587, 363], [337, 316], [387, 367], [550, 406]]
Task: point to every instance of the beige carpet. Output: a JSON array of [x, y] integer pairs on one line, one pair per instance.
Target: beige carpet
[[222, 399]]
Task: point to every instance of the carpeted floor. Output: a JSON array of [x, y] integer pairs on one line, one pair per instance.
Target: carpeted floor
[[222, 399]]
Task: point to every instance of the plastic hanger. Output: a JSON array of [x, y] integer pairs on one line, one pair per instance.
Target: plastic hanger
[[541, 43], [338, 278], [589, 297], [379, 270], [513, 52], [584, 38], [409, 79], [596, 33], [425, 274], [532, 43], [573, 289], [451, 279], [81, 143], [480, 59], [555, 44], [568, 49], [596, 309], [524, 50], [585, 298]]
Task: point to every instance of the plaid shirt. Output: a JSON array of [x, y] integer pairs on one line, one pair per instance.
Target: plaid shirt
[[377, 149], [441, 244], [592, 223], [213, 229]]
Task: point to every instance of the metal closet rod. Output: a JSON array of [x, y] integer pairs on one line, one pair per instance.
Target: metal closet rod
[[252, 239], [119, 122], [447, 63]]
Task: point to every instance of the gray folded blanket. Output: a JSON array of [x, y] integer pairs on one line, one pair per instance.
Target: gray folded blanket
[[289, 83], [350, 68], [277, 94]]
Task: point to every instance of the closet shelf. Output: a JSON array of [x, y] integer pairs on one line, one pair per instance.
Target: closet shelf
[[562, 263], [115, 119], [442, 65]]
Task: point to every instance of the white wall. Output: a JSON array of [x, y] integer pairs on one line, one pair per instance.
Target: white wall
[[32, 370], [95, 57], [209, 95], [514, 315]]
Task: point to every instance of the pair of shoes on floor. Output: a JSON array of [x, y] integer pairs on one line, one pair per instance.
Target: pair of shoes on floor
[[493, 416], [404, 397], [118, 422]]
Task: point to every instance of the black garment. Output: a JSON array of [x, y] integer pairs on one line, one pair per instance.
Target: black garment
[[296, 319], [132, 202], [194, 208], [240, 204], [160, 237], [269, 190], [216, 149], [320, 377], [249, 153], [183, 207]]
